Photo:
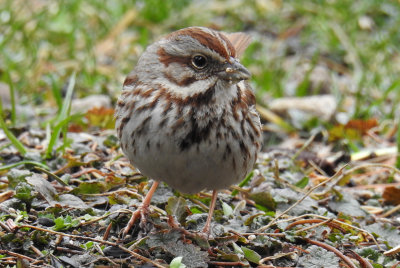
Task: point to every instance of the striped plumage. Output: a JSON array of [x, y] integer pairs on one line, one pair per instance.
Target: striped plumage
[[194, 127]]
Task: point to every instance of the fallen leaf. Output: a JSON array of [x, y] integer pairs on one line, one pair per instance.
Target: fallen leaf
[[391, 195]]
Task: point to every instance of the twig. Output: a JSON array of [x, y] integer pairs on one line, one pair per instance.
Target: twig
[[317, 168], [134, 254], [334, 250], [301, 199], [266, 234], [338, 222], [318, 221], [276, 173], [134, 245], [231, 264], [122, 191], [86, 171], [332, 183], [7, 252], [305, 145], [68, 250], [282, 181], [364, 263], [5, 227], [273, 266], [390, 212], [36, 250], [52, 175], [313, 226], [107, 232], [392, 251], [105, 216], [369, 165], [276, 256], [199, 203], [140, 257], [68, 235], [396, 265]]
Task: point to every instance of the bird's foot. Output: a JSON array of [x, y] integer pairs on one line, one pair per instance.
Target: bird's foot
[[141, 212]]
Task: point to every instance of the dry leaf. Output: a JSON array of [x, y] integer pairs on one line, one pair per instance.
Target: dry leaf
[[391, 195]]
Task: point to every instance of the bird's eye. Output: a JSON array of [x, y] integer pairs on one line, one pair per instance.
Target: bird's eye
[[199, 61]]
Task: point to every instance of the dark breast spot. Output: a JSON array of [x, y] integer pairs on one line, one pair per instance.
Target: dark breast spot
[[196, 133]]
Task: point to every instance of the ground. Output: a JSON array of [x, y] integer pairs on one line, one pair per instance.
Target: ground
[[325, 189]]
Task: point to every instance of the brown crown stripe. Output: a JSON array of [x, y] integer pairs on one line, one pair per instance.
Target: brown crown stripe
[[230, 46], [210, 41]]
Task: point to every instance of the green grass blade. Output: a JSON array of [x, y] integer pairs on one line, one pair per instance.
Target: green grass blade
[[243, 183], [12, 97], [25, 162], [17, 144], [68, 98], [62, 118], [398, 148], [56, 92]]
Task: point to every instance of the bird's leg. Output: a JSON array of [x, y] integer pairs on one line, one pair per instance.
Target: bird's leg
[[141, 210], [210, 212]]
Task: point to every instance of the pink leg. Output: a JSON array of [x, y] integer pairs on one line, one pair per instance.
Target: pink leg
[[210, 212], [142, 210]]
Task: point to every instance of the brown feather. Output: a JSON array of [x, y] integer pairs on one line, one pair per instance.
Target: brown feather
[[240, 41]]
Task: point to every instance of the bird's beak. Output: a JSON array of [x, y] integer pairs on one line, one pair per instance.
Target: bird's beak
[[234, 71]]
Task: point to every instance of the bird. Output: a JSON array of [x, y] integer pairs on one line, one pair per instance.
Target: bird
[[186, 115]]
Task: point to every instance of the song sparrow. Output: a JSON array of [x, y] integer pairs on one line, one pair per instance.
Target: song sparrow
[[187, 116]]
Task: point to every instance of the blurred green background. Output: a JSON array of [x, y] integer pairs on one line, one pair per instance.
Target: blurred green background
[[346, 48]]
